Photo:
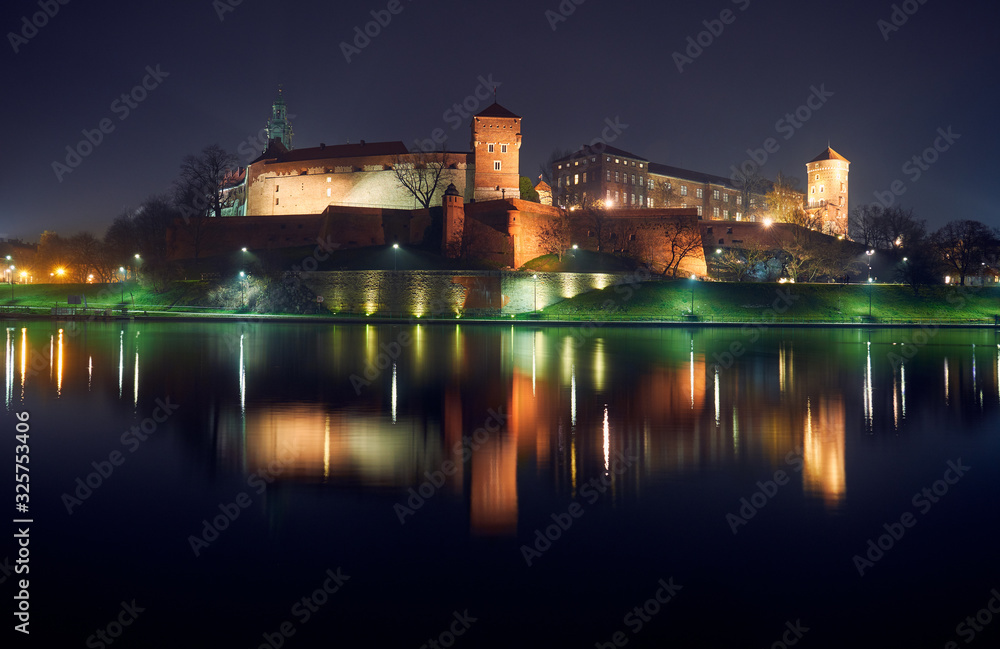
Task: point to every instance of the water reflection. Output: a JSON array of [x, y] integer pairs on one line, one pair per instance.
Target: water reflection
[[570, 400]]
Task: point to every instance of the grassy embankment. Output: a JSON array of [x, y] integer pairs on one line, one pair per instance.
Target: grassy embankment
[[720, 301]]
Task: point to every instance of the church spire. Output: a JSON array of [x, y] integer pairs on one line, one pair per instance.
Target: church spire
[[278, 127]]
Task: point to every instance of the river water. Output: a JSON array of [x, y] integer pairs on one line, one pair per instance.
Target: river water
[[302, 485]]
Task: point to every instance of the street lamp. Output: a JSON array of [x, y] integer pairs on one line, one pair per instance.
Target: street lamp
[[11, 281], [693, 279], [869, 253], [244, 249], [121, 271], [535, 277], [243, 298], [395, 247]]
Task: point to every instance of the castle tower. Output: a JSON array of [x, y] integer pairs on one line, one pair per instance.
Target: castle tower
[[278, 127], [454, 223], [496, 146], [827, 190]]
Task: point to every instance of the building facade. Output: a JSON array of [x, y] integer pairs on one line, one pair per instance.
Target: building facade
[[617, 179], [827, 192], [288, 181]]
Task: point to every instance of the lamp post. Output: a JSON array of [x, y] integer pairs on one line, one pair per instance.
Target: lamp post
[[693, 279], [395, 248], [535, 277], [121, 271], [869, 253], [11, 281], [243, 298]]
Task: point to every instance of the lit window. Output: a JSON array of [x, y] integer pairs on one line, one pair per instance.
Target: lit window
[[649, 202], [725, 198], [633, 199], [684, 190], [725, 214], [739, 201], [617, 177], [576, 179], [739, 216], [503, 148], [817, 176], [715, 212], [609, 174], [617, 161], [640, 180], [715, 194], [329, 179], [699, 193], [699, 210], [609, 195], [616, 195], [329, 192], [489, 147], [633, 179], [812, 190], [651, 183], [821, 189], [496, 165]]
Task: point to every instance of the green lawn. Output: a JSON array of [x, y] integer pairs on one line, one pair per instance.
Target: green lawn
[[186, 293], [790, 302]]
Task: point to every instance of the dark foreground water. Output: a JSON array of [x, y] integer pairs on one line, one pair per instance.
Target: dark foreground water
[[227, 485]]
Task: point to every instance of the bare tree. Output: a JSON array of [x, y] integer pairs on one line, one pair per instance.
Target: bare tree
[[420, 174], [663, 194], [200, 188], [963, 245], [784, 204], [683, 238], [750, 187], [866, 225]]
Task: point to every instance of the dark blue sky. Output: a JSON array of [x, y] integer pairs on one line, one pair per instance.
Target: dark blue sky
[[607, 60]]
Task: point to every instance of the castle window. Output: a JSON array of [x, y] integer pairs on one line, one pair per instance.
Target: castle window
[[503, 148], [699, 210], [489, 147], [584, 176], [708, 230], [617, 161], [725, 198], [715, 212], [729, 230], [683, 205], [631, 237], [821, 189], [496, 165], [329, 179], [640, 165], [812, 190], [617, 176], [609, 158], [739, 215], [715, 194], [593, 159], [276, 188], [633, 179], [737, 240], [576, 178], [817, 176], [609, 195], [699, 193], [843, 187], [841, 200], [329, 192], [609, 174], [739, 201], [649, 202], [633, 199], [684, 190], [276, 202], [651, 184], [616, 195], [725, 214]]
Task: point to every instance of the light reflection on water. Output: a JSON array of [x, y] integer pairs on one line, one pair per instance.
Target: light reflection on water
[[497, 428]]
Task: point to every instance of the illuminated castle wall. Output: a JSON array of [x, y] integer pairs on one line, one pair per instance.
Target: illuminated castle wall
[[828, 189]]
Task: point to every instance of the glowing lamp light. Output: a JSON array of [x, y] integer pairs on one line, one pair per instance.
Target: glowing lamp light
[[575, 246], [718, 251], [395, 246], [59, 271], [244, 249], [137, 256], [768, 222]]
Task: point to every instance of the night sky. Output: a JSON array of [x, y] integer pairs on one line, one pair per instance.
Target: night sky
[[606, 61]]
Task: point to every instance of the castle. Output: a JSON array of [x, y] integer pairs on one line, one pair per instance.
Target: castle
[[467, 204]]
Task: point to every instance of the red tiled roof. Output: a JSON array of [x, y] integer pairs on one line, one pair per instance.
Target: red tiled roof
[[829, 154], [358, 150], [496, 110]]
